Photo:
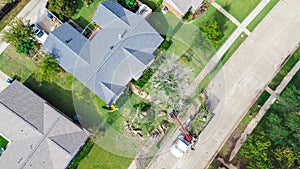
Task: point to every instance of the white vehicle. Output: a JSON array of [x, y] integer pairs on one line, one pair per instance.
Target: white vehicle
[[40, 34], [180, 147]]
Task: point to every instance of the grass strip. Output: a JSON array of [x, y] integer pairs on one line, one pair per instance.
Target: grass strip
[[287, 67], [236, 44], [262, 15]]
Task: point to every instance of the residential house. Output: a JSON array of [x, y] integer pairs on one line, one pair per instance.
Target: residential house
[[39, 136], [121, 51], [181, 7]]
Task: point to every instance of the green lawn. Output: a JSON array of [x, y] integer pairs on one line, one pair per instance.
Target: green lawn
[[238, 8], [8, 61], [262, 14], [226, 27], [287, 67], [99, 158], [236, 44], [3, 142], [86, 14]]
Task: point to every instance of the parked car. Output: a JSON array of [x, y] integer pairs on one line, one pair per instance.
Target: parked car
[[40, 33]]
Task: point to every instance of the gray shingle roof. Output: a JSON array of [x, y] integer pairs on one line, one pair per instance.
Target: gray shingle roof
[[39, 136], [118, 53], [183, 6]]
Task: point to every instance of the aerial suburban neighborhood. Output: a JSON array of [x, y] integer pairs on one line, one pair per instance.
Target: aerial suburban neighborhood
[[149, 84]]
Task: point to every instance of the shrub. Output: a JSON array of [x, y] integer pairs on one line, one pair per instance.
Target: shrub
[[84, 151], [143, 106], [145, 78], [47, 70], [131, 5], [165, 45], [25, 46]]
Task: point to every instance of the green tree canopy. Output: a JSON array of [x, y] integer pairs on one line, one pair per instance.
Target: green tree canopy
[[129, 4], [47, 70], [19, 30], [66, 8], [255, 149], [212, 31], [285, 157], [26, 47]]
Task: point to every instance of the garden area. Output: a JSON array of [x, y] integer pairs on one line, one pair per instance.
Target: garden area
[[274, 143], [237, 8]]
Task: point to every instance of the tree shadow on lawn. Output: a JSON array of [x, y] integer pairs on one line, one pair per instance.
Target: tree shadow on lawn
[[82, 22], [78, 5], [58, 97]]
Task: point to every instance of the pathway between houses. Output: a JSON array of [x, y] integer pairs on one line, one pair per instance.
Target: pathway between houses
[[264, 109]]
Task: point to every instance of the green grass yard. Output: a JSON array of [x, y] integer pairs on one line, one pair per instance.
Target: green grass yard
[[262, 15], [225, 25], [99, 158], [238, 8], [85, 14]]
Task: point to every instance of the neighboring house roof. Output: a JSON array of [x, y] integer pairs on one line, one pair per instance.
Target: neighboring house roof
[[118, 53], [39, 136], [182, 6]]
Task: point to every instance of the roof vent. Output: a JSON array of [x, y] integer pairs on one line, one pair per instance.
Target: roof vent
[[69, 40]]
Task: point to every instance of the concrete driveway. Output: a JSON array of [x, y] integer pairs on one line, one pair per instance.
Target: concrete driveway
[[240, 81], [3, 83], [32, 11]]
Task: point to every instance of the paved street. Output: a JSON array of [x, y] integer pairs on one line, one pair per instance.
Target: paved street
[[31, 11], [246, 74]]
